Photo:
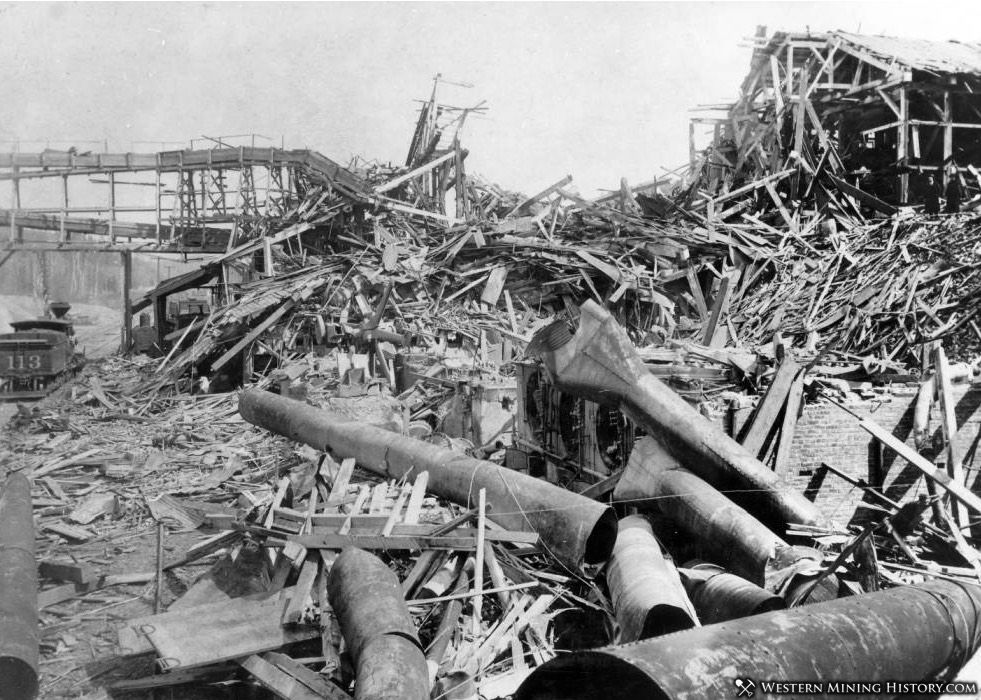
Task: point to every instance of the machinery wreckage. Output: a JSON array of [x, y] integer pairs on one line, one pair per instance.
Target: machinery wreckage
[[432, 438]]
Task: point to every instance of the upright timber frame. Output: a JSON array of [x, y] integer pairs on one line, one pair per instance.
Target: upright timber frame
[[203, 201], [886, 111]]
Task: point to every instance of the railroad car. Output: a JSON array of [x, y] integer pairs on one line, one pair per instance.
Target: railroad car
[[37, 357]]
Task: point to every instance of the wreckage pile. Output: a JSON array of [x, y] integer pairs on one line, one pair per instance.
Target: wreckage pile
[[402, 565], [349, 547]]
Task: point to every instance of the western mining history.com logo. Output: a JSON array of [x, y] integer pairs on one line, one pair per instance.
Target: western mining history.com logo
[[748, 688], [745, 687]]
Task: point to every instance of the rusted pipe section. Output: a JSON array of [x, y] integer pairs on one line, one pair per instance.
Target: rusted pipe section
[[921, 633], [377, 628], [648, 597], [719, 596], [726, 534], [18, 592], [600, 363], [575, 529]]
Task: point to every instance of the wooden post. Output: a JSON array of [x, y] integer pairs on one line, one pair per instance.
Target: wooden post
[[902, 145], [16, 232], [157, 190], [64, 208], [948, 136], [112, 207], [160, 318], [691, 145], [204, 194], [955, 468], [127, 256], [790, 72], [461, 184]]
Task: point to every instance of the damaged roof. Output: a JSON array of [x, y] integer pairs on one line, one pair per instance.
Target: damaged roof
[[916, 54], [920, 54]]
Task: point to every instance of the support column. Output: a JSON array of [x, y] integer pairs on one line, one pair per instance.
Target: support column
[[948, 134], [790, 72], [691, 146], [16, 232], [112, 207], [64, 208], [160, 318], [127, 256], [902, 144], [157, 226]]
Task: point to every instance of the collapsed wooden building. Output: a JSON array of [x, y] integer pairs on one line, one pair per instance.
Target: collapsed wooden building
[[871, 115]]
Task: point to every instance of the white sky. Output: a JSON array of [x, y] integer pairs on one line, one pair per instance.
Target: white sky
[[597, 90]]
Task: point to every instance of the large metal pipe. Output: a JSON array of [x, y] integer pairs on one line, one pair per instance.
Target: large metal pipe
[[719, 596], [575, 529], [648, 597], [912, 634], [726, 534], [18, 592], [599, 362], [377, 628]]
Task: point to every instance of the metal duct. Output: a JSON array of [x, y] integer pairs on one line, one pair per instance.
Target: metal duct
[[575, 529], [601, 363], [377, 628], [648, 597], [910, 634], [719, 596], [18, 592], [726, 534]]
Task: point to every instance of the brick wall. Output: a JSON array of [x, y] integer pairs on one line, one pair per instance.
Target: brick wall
[[826, 433]]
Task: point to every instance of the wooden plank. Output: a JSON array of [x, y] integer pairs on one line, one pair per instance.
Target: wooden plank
[[947, 404], [544, 193], [863, 196], [301, 592], [424, 562], [719, 306], [696, 293], [765, 417], [396, 541], [235, 629], [251, 336], [168, 680], [792, 408], [379, 494], [281, 487], [963, 548], [392, 184], [373, 524], [339, 489], [133, 640], [479, 568], [276, 680], [958, 491], [396, 511], [313, 680], [414, 508], [495, 285], [788, 219], [73, 572], [69, 532]]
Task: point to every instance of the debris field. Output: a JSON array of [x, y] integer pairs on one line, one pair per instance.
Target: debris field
[[421, 436]]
